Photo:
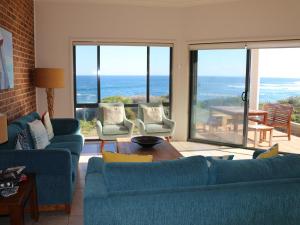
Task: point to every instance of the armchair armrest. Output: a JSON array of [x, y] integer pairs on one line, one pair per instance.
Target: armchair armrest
[[129, 125], [170, 123], [99, 128], [141, 126], [40, 162], [63, 126]]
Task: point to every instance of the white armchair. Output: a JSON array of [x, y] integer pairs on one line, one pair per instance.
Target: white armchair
[[108, 131], [164, 128]]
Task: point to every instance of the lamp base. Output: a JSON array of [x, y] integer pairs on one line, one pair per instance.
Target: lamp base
[[50, 100]]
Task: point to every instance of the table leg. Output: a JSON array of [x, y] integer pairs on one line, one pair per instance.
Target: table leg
[[255, 134], [271, 136], [34, 209], [16, 214]]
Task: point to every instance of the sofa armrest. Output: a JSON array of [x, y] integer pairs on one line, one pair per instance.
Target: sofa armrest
[[40, 162], [63, 126]]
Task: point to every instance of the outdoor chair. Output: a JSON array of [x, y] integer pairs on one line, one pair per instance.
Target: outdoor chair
[[279, 116], [112, 123], [152, 121]]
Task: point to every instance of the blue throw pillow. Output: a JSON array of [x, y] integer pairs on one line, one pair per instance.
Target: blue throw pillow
[[22, 140]]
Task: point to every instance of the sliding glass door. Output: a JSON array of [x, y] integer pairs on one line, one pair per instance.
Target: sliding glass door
[[218, 95]]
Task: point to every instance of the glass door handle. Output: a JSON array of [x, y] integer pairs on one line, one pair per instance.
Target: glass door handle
[[244, 96]]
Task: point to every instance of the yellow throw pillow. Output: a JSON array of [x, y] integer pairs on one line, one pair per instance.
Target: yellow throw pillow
[[110, 157], [273, 151]]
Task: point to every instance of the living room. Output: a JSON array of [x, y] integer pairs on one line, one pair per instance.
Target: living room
[[45, 34]]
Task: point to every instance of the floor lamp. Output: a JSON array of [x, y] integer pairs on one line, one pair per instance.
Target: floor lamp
[[49, 78]]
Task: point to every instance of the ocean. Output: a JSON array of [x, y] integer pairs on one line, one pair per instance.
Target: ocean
[[209, 87]]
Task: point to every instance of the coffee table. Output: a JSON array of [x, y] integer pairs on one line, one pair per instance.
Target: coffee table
[[163, 151]]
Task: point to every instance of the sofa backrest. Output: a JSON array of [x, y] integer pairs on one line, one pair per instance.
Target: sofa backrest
[[186, 172], [16, 127], [233, 171]]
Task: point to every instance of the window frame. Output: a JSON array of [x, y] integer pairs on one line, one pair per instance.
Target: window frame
[[148, 76]]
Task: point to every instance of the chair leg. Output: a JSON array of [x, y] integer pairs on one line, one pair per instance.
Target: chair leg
[[289, 132], [102, 146], [168, 138]]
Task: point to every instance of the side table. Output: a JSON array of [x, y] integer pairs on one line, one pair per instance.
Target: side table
[[261, 128], [14, 205]]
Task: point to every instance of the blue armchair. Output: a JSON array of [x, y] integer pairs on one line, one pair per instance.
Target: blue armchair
[[110, 131], [164, 128]]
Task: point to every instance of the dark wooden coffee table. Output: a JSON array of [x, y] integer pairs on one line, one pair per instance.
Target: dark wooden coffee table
[[14, 205], [163, 151]]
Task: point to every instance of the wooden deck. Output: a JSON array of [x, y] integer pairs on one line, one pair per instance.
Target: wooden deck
[[286, 146]]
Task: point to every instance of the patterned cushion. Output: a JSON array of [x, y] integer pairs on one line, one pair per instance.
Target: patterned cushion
[[113, 115], [39, 134], [47, 123], [271, 152], [22, 140]]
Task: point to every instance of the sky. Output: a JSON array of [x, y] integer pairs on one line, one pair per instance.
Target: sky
[[122, 60], [132, 60], [274, 62]]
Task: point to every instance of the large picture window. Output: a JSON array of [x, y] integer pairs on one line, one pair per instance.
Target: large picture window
[[119, 73]]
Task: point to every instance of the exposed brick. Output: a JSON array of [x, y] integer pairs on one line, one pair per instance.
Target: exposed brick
[[17, 16]]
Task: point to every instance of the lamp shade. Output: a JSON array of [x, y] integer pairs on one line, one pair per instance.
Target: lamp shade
[[49, 78], [3, 128]]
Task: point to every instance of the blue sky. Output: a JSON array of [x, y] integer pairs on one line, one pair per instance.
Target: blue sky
[[122, 60], [132, 60]]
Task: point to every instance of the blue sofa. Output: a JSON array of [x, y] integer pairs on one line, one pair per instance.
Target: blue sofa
[[193, 191], [55, 167]]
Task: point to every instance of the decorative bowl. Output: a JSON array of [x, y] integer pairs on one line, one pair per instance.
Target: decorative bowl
[[147, 141]]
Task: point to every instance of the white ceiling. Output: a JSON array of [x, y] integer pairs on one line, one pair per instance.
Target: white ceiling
[[159, 3]]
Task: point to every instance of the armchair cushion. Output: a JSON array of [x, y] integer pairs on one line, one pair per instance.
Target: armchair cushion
[[152, 115], [115, 129], [113, 115], [157, 128]]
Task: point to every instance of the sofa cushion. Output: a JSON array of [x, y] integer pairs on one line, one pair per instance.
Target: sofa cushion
[[271, 152], [115, 129], [232, 171], [22, 122], [67, 138], [47, 123], [185, 172], [22, 141], [39, 134], [74, 147]]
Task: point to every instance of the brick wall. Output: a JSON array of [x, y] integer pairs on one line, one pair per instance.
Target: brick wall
[[17, 16]]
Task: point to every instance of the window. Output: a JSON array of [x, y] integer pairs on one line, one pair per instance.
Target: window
[[119, 73]]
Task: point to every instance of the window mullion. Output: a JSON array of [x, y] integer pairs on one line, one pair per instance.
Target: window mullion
[[148, 74], [98, 75]]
